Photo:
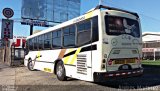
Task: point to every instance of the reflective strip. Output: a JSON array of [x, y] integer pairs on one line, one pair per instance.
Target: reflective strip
[[117, 74], [66, 59], [110, 75], [123, 73], [75, 56], [129, 72], [134, 72]]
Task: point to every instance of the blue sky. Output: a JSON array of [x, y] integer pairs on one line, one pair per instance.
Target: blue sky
[[147, 9]]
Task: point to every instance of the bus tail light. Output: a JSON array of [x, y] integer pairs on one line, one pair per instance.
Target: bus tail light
[[134, 51], [103, 61], [110, 62], [103, 66]]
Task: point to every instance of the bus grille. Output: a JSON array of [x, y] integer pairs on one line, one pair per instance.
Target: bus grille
[[82, 64]]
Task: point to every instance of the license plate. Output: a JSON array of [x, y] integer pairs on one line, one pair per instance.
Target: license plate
[[124, 61], [120, 62], [130, 61]]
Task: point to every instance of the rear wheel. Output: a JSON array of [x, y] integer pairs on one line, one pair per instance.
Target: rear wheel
[[30, 65], [60, 71]]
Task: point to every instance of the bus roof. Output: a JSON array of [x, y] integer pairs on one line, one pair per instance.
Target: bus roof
[[70, 22], [117, 9]]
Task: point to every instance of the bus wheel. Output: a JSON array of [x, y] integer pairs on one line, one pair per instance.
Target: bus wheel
[[60, 71], [30, 65]]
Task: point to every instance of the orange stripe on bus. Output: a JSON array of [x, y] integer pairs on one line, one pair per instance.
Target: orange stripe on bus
[[61, 54]]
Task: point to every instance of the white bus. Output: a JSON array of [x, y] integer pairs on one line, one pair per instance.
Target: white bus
[[104, 43]]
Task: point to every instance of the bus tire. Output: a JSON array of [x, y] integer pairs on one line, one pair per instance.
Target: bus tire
[[30, 65], [60, 71]]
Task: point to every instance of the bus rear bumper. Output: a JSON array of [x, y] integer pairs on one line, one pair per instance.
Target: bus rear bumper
[[102, 77]]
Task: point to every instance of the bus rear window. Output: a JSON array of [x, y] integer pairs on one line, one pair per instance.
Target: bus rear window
[[120, 25]]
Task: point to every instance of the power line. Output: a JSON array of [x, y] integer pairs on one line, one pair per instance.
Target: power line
[[150, 17], [133, 9], [103, 1]]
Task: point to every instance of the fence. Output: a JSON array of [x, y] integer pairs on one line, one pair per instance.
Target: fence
[[1, 55], [5, 56]]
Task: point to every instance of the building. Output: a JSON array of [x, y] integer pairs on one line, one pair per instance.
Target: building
[[50, 10], [151, 45]]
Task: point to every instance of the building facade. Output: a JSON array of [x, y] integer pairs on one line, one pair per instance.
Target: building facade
[[151, 46]]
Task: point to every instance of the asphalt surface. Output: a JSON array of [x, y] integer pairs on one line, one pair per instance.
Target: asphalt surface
[[21, 79]]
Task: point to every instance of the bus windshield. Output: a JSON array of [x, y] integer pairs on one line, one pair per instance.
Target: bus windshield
[[119, 25]]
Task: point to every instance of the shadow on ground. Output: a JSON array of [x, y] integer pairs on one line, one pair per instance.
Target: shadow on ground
[[150, 78]]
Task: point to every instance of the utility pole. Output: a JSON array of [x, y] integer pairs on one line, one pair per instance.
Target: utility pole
[[31, 29], [100, 2]]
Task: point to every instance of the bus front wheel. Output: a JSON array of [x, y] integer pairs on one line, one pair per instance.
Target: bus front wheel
[[30, 65], [60, 71]]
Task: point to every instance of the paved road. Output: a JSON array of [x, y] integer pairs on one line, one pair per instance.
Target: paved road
[[21, 79]]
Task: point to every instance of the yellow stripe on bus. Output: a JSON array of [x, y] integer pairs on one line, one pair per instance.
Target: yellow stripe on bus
[[47, 70], [89, 15], [66, 59], [75, 56], [38, 54]]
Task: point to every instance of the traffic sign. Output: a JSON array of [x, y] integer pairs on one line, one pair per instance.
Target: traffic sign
[[8, 12], [35, 22], [7, 29]]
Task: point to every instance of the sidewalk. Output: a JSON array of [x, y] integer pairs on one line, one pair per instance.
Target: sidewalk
[[7, 75], [2, 65]]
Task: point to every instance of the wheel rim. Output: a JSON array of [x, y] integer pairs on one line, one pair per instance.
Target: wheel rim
[[59, 71]]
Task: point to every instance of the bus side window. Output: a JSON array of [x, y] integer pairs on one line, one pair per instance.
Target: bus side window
[[31, 44], [27, 45], [56, 39], [47, 41], [83, 32], [35, 43], [95, 32], [69, 36], [40, 40]]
